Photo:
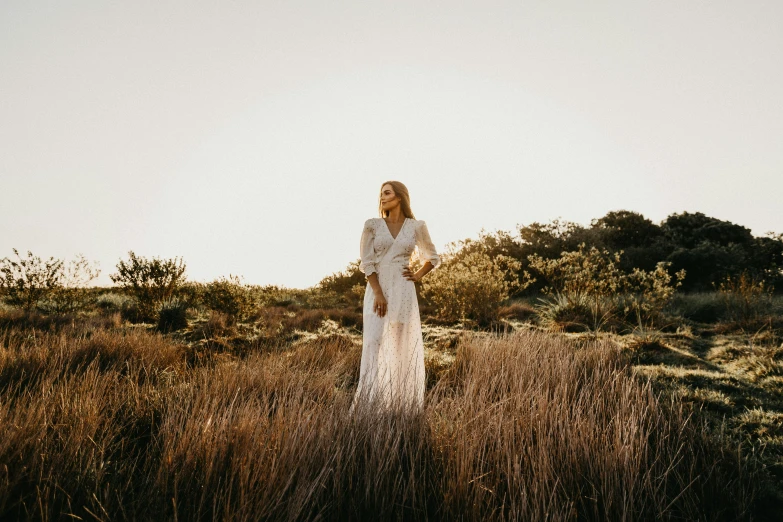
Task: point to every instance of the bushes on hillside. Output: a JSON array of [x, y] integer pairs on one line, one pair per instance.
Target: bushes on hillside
[[589, 291], [150, 281], [707, 248], [470, 288]]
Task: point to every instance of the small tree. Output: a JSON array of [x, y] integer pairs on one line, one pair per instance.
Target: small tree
[[26, 281], [150, 281], [470, 288]]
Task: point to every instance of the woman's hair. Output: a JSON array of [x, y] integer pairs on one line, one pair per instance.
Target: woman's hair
[[405, 200]]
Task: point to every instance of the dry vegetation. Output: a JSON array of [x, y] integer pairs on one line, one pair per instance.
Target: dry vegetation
[[612, 396], [107, 420]]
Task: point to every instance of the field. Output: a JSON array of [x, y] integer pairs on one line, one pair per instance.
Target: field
[[108, 420]]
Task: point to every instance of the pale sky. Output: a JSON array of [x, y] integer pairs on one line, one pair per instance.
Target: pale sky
[[252, 137]]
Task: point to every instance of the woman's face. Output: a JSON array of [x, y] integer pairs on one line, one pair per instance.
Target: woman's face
[[389, 199]]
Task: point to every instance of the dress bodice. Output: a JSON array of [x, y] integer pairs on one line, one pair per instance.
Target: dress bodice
[[379, 247]]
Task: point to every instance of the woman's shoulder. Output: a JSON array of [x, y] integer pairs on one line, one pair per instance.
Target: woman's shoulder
[[371, 222]]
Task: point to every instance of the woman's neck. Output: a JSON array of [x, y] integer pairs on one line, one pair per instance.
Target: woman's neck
[[395, 216]]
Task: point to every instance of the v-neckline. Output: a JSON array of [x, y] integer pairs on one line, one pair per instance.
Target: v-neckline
[[398, 232]]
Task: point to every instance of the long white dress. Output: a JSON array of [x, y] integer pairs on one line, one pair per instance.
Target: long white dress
[[392, 367]]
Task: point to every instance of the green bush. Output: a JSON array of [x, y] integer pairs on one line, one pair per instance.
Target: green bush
[[470, 288], [706, 248], [228, 296], [150, 281], [172, 315]]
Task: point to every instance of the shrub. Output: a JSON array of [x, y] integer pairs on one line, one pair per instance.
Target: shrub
[[217, 324], [519, 311], [71, 293], [590, 284], [112, 302], [470, 288], [131, 312], [343, 282], [125, 305], [704, 307], [273, 295], [172, 315], [192, 293], [150, 281], [357, 293], [575, 313], [646, 293], [26, 281], [745, 298], [581, 290], [228, 296], [581, 272]]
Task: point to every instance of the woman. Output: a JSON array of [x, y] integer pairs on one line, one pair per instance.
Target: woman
[[392, 367]]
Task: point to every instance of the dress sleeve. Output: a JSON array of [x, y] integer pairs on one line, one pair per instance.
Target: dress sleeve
[[426, 248], [367, 249]]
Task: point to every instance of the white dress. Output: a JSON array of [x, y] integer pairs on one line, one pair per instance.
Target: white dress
[[392, 367]]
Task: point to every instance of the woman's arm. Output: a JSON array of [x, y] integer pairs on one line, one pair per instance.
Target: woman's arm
[[372, 279], [427, 252], [367, 267], [421, 272]]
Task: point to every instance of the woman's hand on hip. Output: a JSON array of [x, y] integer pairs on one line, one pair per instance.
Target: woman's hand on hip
[[410, 276]]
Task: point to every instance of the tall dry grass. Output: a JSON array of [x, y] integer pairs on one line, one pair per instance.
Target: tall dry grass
[[116, 425]]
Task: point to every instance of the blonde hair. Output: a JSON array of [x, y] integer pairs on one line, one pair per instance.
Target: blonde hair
[[401, 191]]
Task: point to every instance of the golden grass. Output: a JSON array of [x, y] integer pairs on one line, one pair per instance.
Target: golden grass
[[123, 424]]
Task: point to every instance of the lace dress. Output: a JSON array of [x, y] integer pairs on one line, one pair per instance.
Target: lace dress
[[392, 367]]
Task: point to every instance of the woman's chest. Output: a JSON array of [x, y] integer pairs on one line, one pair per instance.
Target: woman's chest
[[405, 240]]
